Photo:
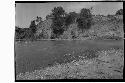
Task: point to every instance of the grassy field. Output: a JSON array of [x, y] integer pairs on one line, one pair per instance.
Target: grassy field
[[101, 64]]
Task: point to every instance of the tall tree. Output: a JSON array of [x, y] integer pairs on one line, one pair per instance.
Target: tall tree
[[58, 17], [33, 26], [32, 30], [85, 18]]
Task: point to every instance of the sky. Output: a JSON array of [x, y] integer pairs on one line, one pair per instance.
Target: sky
[[26, 12]]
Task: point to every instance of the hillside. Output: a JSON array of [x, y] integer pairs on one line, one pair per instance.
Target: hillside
[[103, 26]]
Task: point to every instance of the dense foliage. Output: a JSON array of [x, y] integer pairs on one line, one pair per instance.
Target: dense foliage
[[22, 33], [70, 18], [119, 12], [33, 26], [84, 20], [58, 14], [62, 25], [26, 33]]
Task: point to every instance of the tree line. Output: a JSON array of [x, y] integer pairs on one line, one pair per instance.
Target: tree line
[[60, 22]]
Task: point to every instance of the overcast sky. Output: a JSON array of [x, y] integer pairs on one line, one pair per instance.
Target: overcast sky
[[25, 12]]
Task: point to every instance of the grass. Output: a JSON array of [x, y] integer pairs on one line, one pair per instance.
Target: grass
[[102, 64]]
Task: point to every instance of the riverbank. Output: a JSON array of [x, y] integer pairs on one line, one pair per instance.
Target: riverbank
[[106, 64], [85, 38]]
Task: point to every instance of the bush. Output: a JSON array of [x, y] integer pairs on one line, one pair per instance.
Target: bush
[[22, 33], [71, 32]]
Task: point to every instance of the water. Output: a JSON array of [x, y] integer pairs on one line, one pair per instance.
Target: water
[[33, 55]]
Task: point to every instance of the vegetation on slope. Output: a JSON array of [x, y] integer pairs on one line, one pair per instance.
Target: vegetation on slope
[[62, 25]]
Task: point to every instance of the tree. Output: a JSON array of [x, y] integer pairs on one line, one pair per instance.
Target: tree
[[33, 30], [38, 19], [85, 13], [58, 17], [48, 16], [70, 18], [119, 12], [84, 19], [33, 26], [58, 12]]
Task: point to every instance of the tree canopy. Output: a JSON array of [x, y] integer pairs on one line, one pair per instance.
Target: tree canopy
[[119, 12], [85, 18], [58, 17]]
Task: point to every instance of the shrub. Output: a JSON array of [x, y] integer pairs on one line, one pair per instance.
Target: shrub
[[22, 33], [71, 32]]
